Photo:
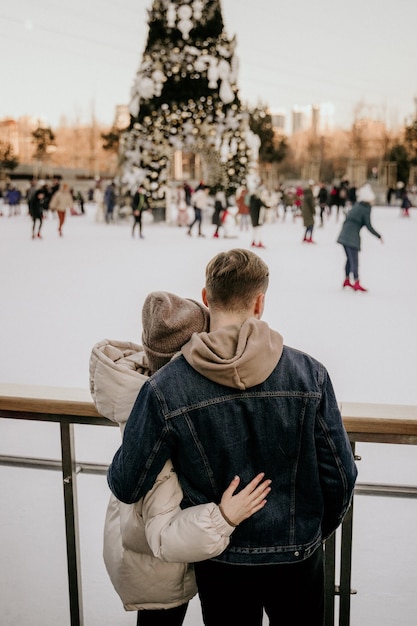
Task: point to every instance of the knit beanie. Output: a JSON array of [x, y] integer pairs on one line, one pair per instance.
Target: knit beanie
[[365, 193], [168, 321]]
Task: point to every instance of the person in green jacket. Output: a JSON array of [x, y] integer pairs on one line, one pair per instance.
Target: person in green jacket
[[358, 216], [308, 210], [139, 205]]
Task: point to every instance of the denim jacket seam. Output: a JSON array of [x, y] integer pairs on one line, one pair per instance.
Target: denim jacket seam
[[293, 524], [336, 457], [196, 439], [153, 454], [184, 410]]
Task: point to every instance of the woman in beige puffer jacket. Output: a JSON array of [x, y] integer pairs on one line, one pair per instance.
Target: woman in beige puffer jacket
[[61, 201], [149, 546]]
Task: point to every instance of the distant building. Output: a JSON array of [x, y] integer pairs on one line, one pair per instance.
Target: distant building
[[18, 133], [318, 118], [279, 121], [301, 117]]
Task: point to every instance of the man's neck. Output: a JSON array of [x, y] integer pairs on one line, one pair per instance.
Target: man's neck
[[220, 319]]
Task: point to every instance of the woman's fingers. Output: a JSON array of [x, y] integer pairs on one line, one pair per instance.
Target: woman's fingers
[[248, 501]]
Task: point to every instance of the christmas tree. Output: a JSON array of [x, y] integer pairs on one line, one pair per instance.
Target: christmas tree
[[185, 97]]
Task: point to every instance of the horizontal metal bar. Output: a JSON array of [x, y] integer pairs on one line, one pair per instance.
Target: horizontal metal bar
[[51, 464], [376, 489], [361, 489]]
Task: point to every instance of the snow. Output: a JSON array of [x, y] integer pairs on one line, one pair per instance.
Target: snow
[[61, 295]]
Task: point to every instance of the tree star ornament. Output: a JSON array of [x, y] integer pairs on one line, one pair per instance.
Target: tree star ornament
[[184, 23]]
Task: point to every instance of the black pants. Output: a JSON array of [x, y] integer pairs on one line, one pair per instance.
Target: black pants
[[291, 594], [255, 213], [163, 617], [137, 221], [198, 216], [352, 262], [34, 220]]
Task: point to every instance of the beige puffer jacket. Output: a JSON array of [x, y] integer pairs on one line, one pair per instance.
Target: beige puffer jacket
[[61, 200], [148, 545]]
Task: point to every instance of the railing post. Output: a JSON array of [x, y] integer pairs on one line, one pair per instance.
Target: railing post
[[71, 523], [346, 564], [346, 568], [329, 580]]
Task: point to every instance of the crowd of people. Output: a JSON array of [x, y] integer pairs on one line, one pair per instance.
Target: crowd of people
[[248, 210], [40, 198], [251, 209]]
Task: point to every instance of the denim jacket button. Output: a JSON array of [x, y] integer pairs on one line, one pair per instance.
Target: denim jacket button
[[296, 553]]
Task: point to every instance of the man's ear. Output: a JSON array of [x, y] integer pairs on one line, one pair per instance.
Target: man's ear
[[259, 305], [204, 296]]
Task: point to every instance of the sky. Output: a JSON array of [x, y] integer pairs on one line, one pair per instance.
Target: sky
[[59, 296], [76, 59]]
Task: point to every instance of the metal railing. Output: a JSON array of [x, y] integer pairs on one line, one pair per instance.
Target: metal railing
[[364, 423]]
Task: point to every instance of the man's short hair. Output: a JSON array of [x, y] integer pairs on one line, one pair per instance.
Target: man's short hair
[[235, 278]]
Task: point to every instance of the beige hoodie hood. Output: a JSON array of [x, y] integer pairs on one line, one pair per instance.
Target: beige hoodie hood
[[236, 356]]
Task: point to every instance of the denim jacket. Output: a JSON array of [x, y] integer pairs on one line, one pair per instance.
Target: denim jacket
[[237, 401]]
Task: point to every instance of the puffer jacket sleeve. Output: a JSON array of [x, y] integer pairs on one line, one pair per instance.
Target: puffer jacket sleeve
[[118, 370], [180, 536]]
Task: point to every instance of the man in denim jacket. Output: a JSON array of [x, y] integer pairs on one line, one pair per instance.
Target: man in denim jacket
[[238, 401]]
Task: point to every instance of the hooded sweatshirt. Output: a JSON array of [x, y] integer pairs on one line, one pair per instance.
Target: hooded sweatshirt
[[236, 356]]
